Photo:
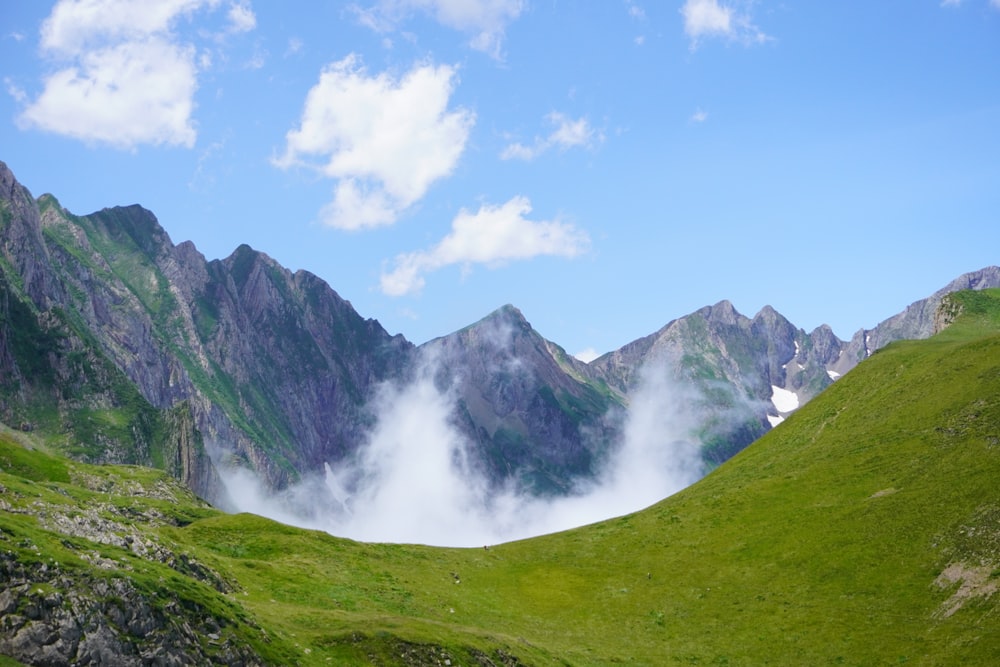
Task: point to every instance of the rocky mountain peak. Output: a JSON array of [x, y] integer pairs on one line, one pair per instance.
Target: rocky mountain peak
[[723, 312], [769, 315], [506, 314], [504, 331], [7, 181], [137, 224], [984, 278], [22, 243], [244, 261]]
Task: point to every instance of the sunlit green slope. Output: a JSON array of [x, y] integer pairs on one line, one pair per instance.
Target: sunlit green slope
[[865, 530]]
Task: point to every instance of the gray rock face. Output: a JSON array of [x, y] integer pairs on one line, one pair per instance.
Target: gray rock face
[[48, 617], [916, 321], [743, 367], [531, 409], [101, 606], [238, 355]]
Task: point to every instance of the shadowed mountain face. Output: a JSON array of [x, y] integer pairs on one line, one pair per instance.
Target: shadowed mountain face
[[120, 346]]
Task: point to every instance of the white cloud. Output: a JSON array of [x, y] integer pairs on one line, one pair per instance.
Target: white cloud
[[257, 60], [77, 25], [491, 236], [699, 116], [359, 205], [635, 11], [294, 46], [567, 133], [416, 480], [518, 151], [703, 17], [995, 4], [136, 92], [712, 18], [485, 20], [385, 140], [15, 91], [122, 76], [241, 17], [587, 355]]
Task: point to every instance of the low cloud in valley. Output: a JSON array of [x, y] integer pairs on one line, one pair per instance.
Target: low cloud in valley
[[416, 481]]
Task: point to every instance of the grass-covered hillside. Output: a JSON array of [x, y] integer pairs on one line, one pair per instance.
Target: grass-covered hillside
[[865, 530]]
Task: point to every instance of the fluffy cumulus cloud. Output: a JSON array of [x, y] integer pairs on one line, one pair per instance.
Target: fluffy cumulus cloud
[[485, 20], [712, 18], [122, 76], [706, 17], [566, 133], [491, 236], [384, 139], [137, 92]]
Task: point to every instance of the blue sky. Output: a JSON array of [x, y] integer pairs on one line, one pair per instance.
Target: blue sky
[[605, 166]]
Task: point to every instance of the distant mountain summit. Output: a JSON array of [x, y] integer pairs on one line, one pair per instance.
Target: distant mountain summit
[[749, 373], [118, 346], [533, 412]]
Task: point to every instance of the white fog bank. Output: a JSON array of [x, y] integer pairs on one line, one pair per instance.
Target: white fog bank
[[413, 481]]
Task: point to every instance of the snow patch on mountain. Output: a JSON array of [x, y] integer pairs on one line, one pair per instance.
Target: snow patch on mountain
[[783, 399]]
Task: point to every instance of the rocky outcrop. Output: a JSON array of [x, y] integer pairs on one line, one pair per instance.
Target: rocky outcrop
[[49, 617], [85, 585]]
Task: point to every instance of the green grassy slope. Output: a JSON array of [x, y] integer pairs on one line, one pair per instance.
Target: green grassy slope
[[865, 530]]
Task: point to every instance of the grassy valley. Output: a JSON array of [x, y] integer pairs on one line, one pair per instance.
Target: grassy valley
[[865, 530]]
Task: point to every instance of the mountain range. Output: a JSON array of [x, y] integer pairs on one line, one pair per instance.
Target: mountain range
[[863, 530], [118, 346]]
